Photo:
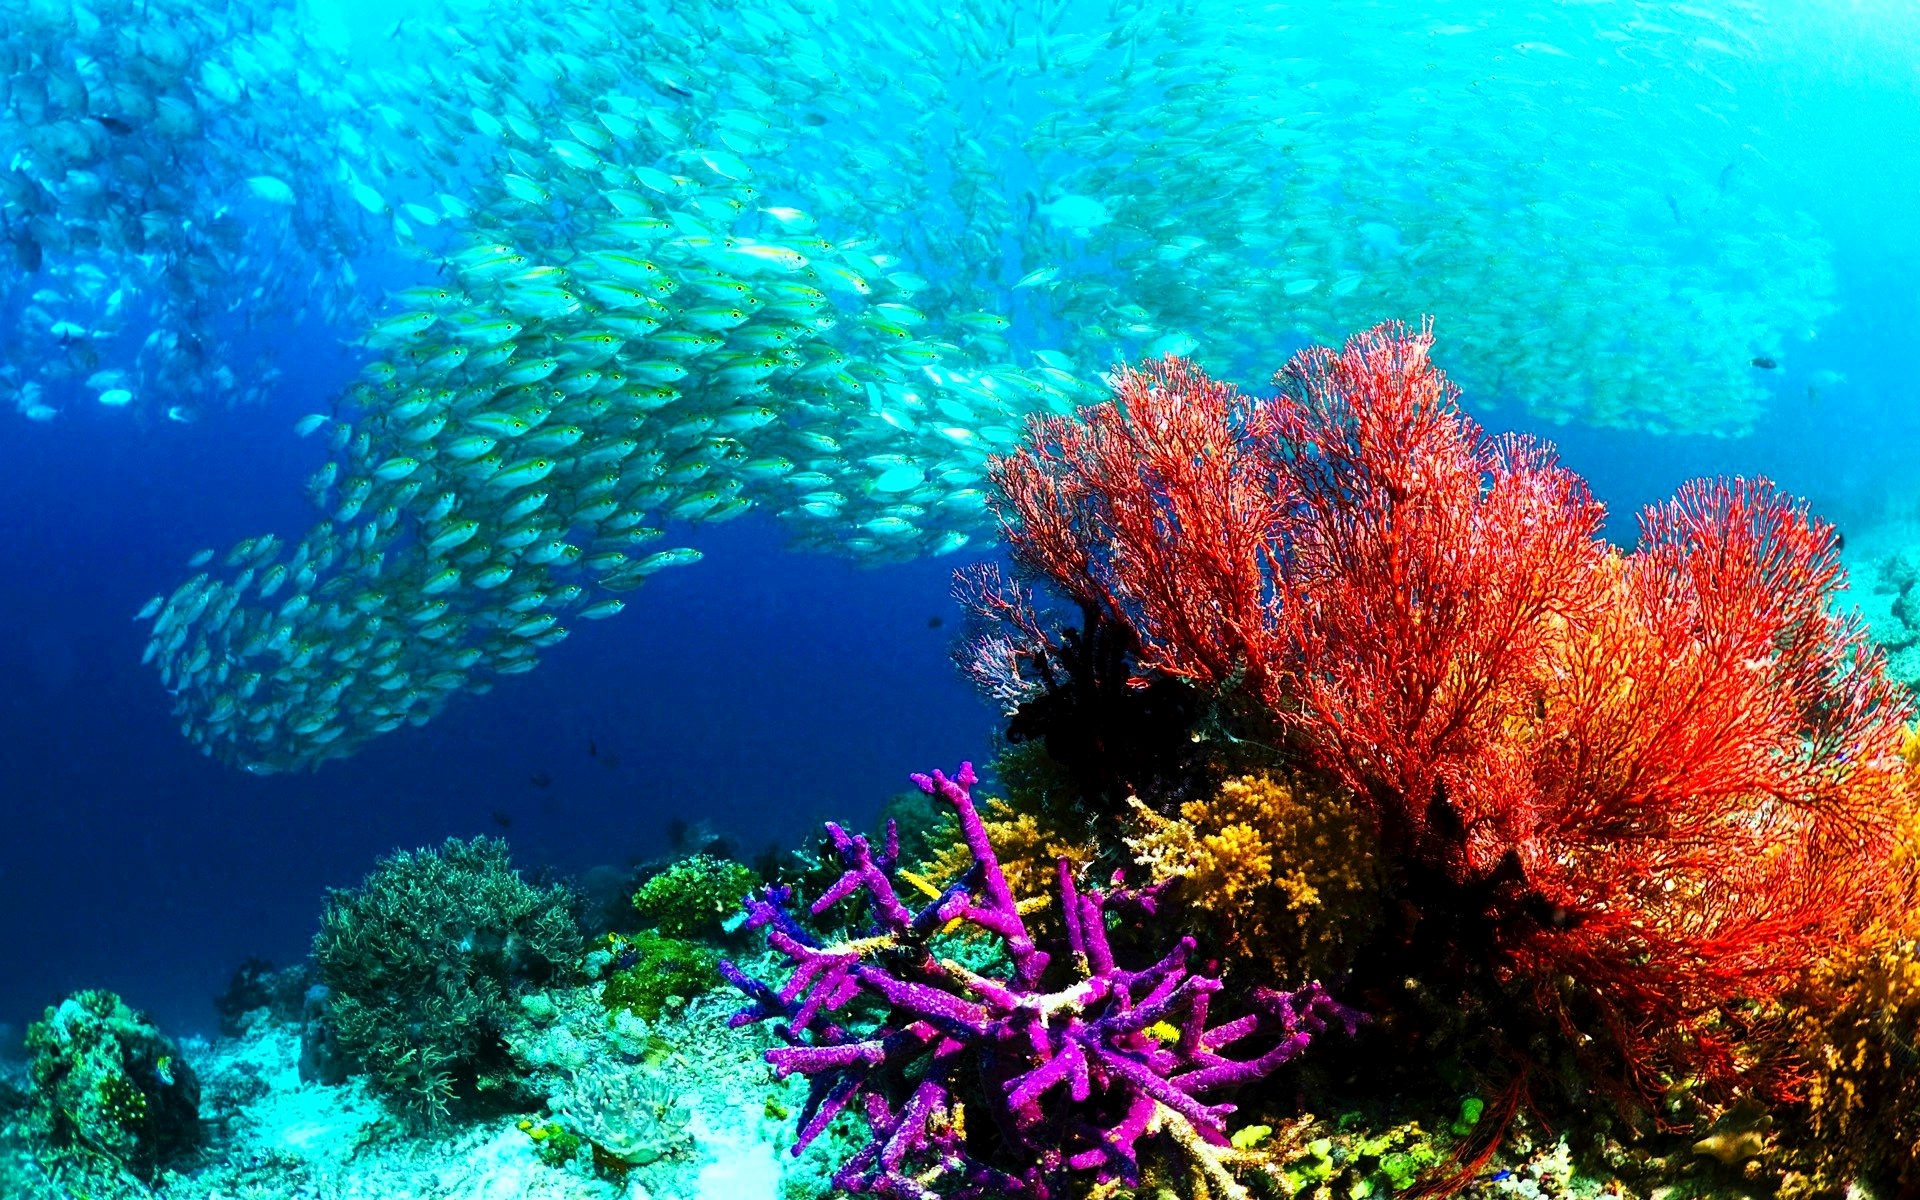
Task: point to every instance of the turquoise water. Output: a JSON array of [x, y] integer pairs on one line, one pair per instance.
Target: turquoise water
[[561, 421]]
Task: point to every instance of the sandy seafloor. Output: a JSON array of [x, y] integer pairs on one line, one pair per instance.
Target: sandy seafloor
[[711, 1108]]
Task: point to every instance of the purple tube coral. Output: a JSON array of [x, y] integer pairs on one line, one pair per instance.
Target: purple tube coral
[[974, 1086]]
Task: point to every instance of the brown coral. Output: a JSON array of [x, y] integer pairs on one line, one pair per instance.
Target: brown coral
[[1284, 871], [1864, 1089]]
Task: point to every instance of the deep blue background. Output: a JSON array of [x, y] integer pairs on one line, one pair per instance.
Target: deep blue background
[[756, 690]]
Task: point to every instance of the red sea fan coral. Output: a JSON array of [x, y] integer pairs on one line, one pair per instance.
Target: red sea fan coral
[[1713, 786], [1665, 778], [1159, 510], [1420, 570]]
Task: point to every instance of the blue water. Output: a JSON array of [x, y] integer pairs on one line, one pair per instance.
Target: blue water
[[760, 691]]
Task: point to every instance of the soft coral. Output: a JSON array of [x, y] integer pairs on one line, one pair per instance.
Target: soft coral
[[1662, 781]]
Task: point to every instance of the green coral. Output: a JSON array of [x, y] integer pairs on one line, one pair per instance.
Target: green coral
[[694, 897], [108, 1090], [425, 964], [1361, 1164], [651, 968], [1471, 1110]]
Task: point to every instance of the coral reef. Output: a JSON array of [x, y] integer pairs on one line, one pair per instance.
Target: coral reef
[[422, 963], [649, 971], [1859, 1021], [1645, 788], [1287, 873], [1363, 1163], [628, 1118], [654, 1102], [257, 986], [694, 896], [1029, 850], [556, 1145], [109, 1092], [1081, 1083], [1891, 606], [688, 1100]]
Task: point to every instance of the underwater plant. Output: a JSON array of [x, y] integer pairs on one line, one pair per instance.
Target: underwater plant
[[1647, 787], [1014, 1086], [423, 962], [108, 1089]]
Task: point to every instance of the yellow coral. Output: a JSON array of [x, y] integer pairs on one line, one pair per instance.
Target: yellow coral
[[1863, 1093], [1286, 871], [1860, 1030], [1029, 853]]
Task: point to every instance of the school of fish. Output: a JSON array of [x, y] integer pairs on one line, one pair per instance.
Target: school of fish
[[676, 262], [150, 228]]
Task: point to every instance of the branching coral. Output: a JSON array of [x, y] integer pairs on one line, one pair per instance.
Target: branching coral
[[422, 962], [975, 1086], [1286, 872], [1860, 1024], [1659, 783], [1865, 1095]]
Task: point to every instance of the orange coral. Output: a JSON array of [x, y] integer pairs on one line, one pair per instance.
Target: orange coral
[[1864, 1050], [1859, 1026]]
